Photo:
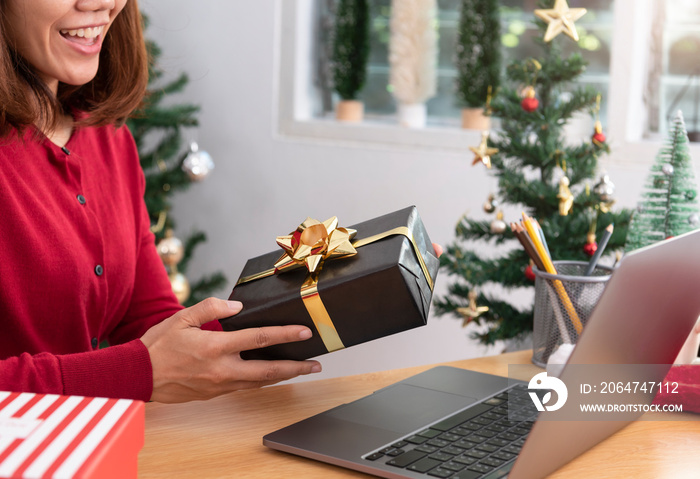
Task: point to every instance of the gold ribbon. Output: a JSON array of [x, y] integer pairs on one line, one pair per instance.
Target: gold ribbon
[[310, 245], [319, 314], [401, 230]]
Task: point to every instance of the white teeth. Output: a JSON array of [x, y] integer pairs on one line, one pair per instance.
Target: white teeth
[[84, 32]]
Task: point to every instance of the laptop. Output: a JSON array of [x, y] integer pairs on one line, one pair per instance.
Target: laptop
[[454, 423]]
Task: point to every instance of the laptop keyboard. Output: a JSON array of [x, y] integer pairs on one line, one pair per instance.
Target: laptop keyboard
[[469, 444]]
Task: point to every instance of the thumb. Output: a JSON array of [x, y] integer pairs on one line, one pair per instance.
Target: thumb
[[209, 310]]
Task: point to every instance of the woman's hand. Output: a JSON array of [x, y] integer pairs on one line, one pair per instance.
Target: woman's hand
[[189, 363]]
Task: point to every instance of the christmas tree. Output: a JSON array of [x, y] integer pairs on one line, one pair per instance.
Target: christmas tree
[[478, 52], [540, 173], [669, 205], [158, 132]]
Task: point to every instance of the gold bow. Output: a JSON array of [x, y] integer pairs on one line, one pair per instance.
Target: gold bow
[[312, 243]]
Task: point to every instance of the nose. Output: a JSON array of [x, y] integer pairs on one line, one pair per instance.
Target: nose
[[94, 5]]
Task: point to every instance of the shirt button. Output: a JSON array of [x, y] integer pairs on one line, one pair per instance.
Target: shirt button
[[99, 270], [81, 199], [94, 343]]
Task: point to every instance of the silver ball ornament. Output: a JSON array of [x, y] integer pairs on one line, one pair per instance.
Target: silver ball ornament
[[667, 169], [604, 188], [694, 219], [198, 163], [490, 204]]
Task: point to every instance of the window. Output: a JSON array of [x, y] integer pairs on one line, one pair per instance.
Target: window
[[518, 31], [675, 76], [644, 56]]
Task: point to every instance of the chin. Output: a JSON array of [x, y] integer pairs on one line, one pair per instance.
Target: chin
[[78, 82], [79, 77]]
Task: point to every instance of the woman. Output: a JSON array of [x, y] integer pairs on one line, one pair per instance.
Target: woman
[[78, 263]]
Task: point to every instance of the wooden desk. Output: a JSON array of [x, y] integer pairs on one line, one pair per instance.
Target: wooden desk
[[223, 437]]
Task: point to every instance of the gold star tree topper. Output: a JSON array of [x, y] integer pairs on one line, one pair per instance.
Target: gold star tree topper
[[561, 18], [482, 153]]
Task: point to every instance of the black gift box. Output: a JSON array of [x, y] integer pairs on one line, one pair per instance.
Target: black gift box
[[381, 290]]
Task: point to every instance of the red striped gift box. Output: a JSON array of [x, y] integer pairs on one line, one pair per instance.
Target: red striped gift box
[[52, 436]]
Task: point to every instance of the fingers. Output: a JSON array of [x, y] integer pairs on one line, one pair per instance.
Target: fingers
[[209, 310], [189, 363], [256, 338], [258, 373], [438, 249], [240, 375]]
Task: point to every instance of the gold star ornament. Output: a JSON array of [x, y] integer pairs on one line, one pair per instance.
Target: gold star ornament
[[471, 312], [482, 153], [560, 19]]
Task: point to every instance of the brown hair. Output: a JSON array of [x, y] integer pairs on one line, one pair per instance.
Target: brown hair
[[116, 91]]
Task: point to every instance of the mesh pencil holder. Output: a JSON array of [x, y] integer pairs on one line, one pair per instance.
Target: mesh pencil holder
[[563, 304]]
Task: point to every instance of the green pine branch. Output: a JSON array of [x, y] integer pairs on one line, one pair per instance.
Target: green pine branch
[[194, 240], [518, 324], [201, 289]]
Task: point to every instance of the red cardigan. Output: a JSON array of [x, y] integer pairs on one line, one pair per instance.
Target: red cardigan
[[78, 265]]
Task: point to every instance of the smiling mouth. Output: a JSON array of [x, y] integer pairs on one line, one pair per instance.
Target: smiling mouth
[[87, 36]]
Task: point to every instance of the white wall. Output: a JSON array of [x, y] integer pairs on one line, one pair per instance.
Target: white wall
[[264, 185]]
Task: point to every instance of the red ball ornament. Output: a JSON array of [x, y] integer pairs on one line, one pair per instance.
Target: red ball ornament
[[590, 248], [530, 103], [598, 137], [529, 274]]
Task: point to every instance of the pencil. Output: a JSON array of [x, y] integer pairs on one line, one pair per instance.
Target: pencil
[[527, 245], [524, 239], [607, 233], [557, 315], [542, 237], [549, 267]]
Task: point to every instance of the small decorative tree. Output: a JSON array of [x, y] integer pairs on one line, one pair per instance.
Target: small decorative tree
[[350, 53], [477, 60], [669, 205], [413, 58]]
